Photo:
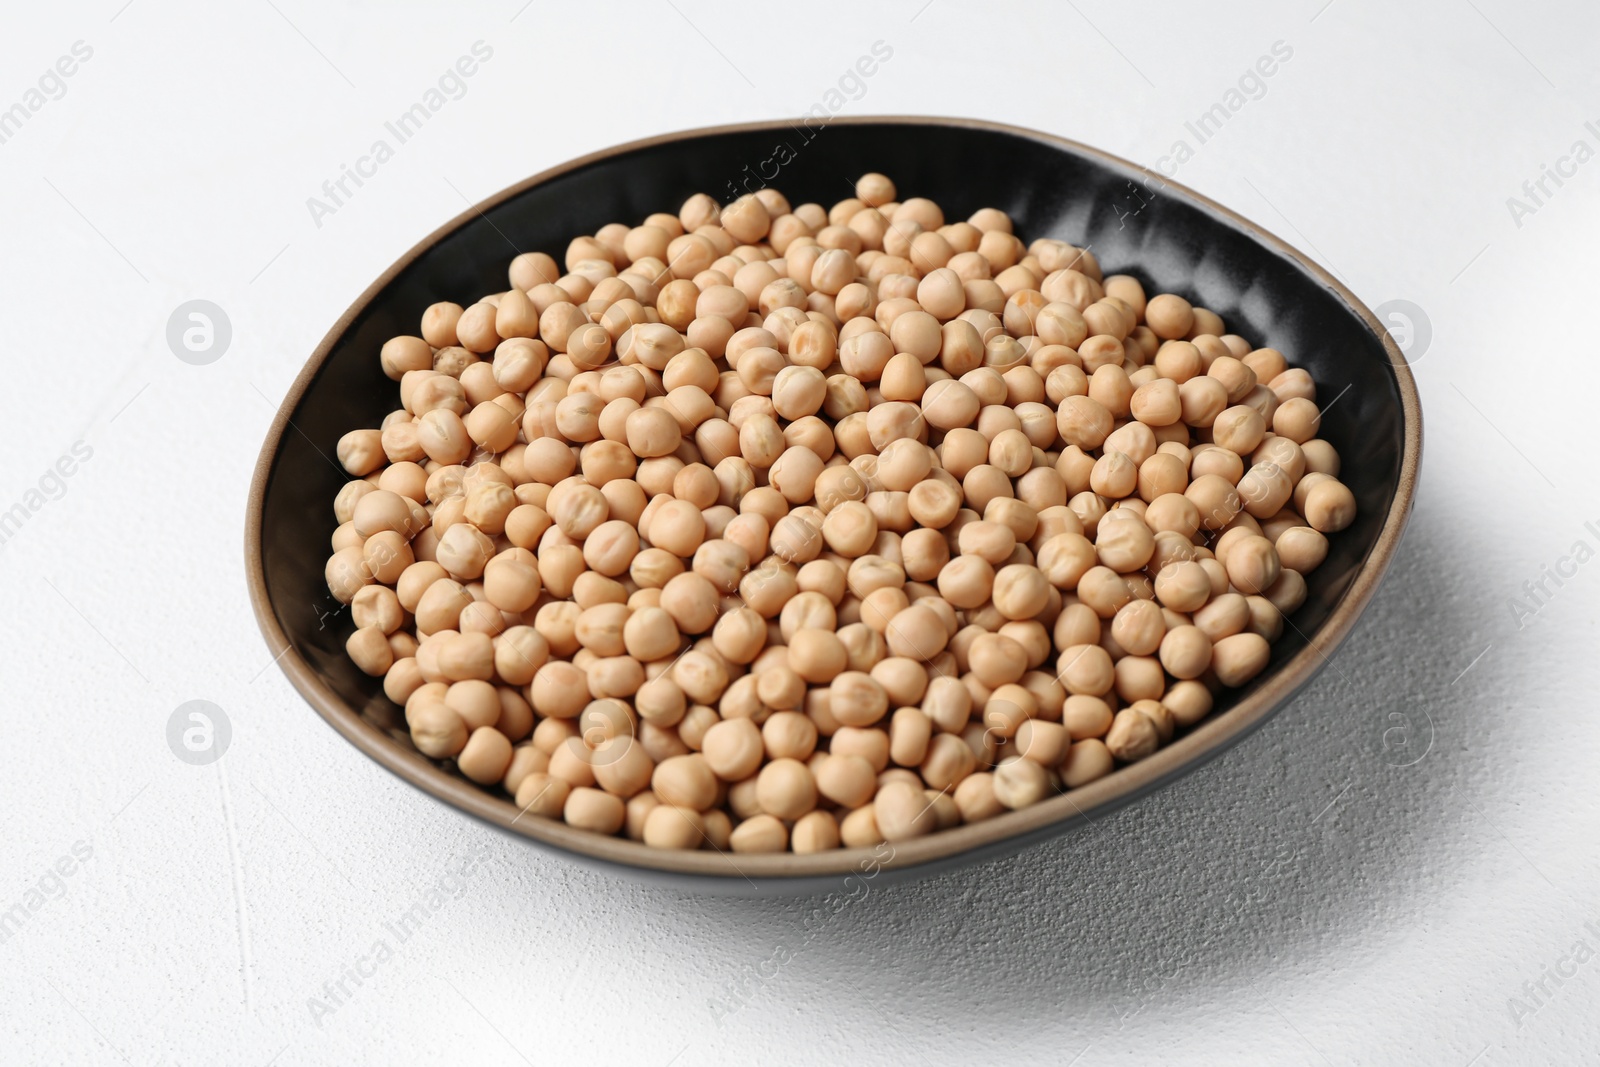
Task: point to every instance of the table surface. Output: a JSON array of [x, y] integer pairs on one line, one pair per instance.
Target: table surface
[[1399, 868]]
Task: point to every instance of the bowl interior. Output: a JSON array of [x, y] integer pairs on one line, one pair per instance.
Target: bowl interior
[[1135, 224]]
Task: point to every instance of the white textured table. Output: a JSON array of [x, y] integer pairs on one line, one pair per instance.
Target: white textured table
[[1302, 900]]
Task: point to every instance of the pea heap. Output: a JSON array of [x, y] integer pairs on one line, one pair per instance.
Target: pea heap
[[766, 527]]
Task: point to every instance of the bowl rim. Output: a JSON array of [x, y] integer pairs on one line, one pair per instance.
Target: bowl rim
[[1210, 739]]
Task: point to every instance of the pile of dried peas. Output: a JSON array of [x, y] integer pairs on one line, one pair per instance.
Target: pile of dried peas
[[766, 527]]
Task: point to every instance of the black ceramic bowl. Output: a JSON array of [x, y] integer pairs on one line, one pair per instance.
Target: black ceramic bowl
[[1171, 238]]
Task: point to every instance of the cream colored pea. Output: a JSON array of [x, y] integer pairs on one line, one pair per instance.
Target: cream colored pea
[[1085, 669], [1183, 586], [733, 749], [1239, 429], [1042, 741], [1300, 548], [856, 699], [1139, 627], [1157, 403], [361, 451], [671, 827], [1216, 499], [1239, 658], [660, 702], [780, 688], [910, 732], [785, 789], [874, 189], [541, 794], [486, 756], [1083, 422], [1188, 702], [511, 580], [949, 760], [1133, 735], [1252, 564], [1185, 652], [1124, 544], [760, 833], [815, 831], [1020, 783], [436, 731], [1085, 716], [685, 782], [369, 648], [1020, 591], [1329, 506], [846, 779], [1086, 761], [789, 735], [859, 829], [1169, 316], [975, 798], [902, 812], [593, 809], [817, 656]]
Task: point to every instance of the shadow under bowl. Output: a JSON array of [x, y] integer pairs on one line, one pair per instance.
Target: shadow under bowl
[[1172, 239]]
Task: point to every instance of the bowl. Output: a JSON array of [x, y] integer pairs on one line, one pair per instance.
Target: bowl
[[1136, 222]]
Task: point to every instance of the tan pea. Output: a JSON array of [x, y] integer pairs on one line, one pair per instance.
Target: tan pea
[[1239, 429], [1301, 548], [1183, 585], [1083, 422], [902, 812], [1169, 316], [910, 731], [486, 756], [1185, 652], [975, 798], [856, 699], [816, 655], [1085, 716], [1086, 761], [685, 781], [785, 789], [1252, 564], [949, 760], [1020, 591], [1157, 403], [593, 809], [733, 749], [369, 648], [1329, 506], [1133, 735], [760, 833], [1216, 499], [1085, 669], [1020, 783], [846, 779], [815, 831], [437, 731], [1239, 658]]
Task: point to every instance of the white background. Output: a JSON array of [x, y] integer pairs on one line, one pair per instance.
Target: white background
[[1301, 900]]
